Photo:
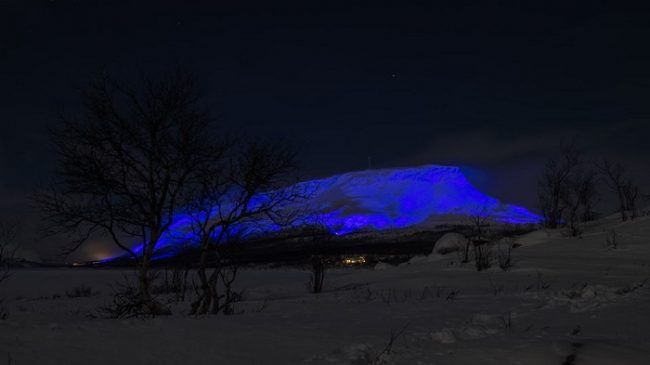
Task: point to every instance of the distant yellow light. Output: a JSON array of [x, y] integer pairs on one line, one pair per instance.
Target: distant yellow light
[[354, 260]]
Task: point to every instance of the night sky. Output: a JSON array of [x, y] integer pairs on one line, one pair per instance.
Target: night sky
[[493, 88]]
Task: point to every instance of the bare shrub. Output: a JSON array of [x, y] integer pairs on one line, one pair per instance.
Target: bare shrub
[[631, 288], [382, 357], [483, 255], [504, 255], [539, 284], [567, 191], [395, 295], [318, 268], [8, 247], [230, 297], [626, 191], [452, 294], [631, 195], [464, 250], [478, 222], [4, 314], [506, 320], [496, 288], [126, 301], [579, 200], [611, 239], [80, 291], [554, 184]]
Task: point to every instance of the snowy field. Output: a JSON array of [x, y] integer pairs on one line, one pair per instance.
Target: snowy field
[[566, 301]]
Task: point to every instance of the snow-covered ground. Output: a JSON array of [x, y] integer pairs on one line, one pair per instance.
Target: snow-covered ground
[[566, 301]]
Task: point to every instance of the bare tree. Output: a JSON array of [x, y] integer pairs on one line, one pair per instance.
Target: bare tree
[[579, 200], [483, 255], [478, 220], [320, 236], [318, 269], [228, 275], [622, 186], [464, 251], [125, 163], [554, 184], [613, 174], [248, 190], [8, 247], [586, 189], [631, 195]]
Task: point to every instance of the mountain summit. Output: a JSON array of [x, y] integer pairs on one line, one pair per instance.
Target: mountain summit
[[404, 197]]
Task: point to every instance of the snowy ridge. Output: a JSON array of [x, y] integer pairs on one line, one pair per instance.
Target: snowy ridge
[[378, 200], [404, 197]]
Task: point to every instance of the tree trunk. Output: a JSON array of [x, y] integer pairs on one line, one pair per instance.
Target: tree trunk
[[212, 288], [152, 306], [623, 208], [208, 301]]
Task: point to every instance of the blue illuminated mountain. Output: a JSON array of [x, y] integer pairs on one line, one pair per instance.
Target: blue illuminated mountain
[[405, 197], [377, 200]]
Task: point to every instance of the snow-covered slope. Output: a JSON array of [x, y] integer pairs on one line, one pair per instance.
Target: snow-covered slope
[[404, 197], [566, 300], [384, 199]]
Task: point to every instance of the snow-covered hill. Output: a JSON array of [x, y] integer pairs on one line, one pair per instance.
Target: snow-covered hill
[[382, 200], [404, 197]]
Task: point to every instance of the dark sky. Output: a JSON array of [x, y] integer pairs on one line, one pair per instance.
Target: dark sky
[[493, 87]]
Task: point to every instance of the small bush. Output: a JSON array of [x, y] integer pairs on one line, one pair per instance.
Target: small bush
[[81, 291], [611, 239], [126, 302]]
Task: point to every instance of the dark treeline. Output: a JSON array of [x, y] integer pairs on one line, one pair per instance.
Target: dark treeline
[[570, 187]]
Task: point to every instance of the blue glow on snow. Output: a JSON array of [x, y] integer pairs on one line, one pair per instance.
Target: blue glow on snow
[[373, 200]]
